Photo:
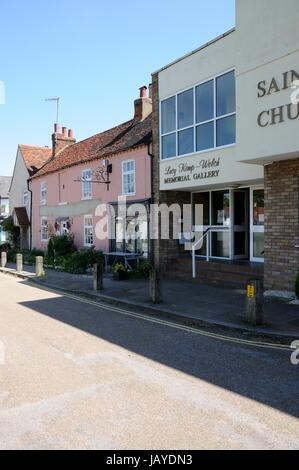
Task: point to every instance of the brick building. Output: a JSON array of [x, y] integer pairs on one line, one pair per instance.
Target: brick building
[[225, 126]]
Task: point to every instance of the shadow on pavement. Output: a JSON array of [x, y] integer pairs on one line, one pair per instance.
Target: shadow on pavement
[[263, 375]]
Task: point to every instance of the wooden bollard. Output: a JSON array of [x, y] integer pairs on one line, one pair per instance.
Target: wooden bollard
[[255, 302], [39, 266], [98, 274], [155, 287], [19, 262], [3, 259]]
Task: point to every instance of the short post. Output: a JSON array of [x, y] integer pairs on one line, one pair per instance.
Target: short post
[[3, 259], [98, 275], [39, 266], [19, 262], [155, 287], [255, 302]]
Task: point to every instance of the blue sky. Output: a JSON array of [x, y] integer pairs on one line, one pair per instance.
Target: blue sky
[[95, 55]]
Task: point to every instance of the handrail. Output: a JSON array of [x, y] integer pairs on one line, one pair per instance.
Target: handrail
[[194, 247]]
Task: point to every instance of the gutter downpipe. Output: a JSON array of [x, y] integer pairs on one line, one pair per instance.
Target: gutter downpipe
[[152, 258], [30, 227]]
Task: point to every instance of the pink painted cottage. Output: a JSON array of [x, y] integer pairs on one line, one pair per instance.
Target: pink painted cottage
[[69, 188]]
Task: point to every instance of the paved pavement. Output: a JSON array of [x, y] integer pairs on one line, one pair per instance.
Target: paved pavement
[[198, 303], [80, 376]]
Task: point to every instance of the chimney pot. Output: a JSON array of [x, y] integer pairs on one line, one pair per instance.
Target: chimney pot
[[143, 92], [70, 134], [64, 131], [56, 128]]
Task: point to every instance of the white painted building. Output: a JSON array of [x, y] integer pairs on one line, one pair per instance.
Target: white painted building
[[4, 203], [227, 118], [29, 160]]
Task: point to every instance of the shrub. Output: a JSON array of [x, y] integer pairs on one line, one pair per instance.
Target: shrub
[[5, 247], [80, 261], [12, 230], [61, 245], [11, 256], [50, 252], [29, 256], [141, 271], [297, 286]]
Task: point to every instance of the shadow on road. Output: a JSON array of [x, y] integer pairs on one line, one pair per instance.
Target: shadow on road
[[263, 375]]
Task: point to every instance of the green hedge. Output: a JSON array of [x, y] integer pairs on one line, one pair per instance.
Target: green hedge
[[80, 261]]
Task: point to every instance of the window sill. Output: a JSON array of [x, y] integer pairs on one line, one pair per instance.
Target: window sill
[[63, 204], [89, 198], [129, 195]]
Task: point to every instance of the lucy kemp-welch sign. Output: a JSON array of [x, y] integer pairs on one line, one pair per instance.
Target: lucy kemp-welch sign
[[184, 172]]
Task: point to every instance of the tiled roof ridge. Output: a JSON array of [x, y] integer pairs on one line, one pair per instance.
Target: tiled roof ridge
[[99, 146]]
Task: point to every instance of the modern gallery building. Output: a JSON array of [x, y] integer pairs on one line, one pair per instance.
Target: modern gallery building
[[225, 130]]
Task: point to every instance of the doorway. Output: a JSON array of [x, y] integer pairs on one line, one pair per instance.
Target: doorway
[[226, 222]]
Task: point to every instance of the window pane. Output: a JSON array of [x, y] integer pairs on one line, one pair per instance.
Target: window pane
[[220, 244], [220, 208], [204, 200], [205, 102], [258, 207], [186, 141], [185, 109], [226, 94], [258, 245], [226, 131], [169, 146], [205, 136], [168, 115]]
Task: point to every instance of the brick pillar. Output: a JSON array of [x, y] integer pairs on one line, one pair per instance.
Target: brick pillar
[[281, 225], [166, 252]]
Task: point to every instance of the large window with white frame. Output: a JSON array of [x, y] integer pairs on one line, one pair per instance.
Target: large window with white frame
[[128, 177], [86, 184], [44, 229], [88, 230], [199, 119], [43, 193]]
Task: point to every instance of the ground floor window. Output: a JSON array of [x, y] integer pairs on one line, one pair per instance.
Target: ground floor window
[[257, 224], [44, 229], [88, 230], [2, 235], [130, 234], [233, 223]]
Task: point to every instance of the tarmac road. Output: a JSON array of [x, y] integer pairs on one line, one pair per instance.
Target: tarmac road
[[79, 376]]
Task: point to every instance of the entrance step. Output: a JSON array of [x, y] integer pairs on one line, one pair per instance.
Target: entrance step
[[223, 274]]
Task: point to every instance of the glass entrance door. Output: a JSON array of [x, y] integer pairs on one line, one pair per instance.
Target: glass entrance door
[[240, 226], [257, 224]]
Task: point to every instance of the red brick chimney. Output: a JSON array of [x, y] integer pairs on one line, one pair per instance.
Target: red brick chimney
[[143, 106], [61, 139]]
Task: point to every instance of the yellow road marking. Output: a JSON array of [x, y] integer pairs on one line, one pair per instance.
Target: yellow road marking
[[188, 329]]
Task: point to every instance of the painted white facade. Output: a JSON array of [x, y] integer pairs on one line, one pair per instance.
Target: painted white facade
[[19, 188], [267, 35], [263, 47]]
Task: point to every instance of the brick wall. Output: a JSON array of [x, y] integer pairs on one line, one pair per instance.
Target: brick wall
[[166, 252], [281, 224]]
